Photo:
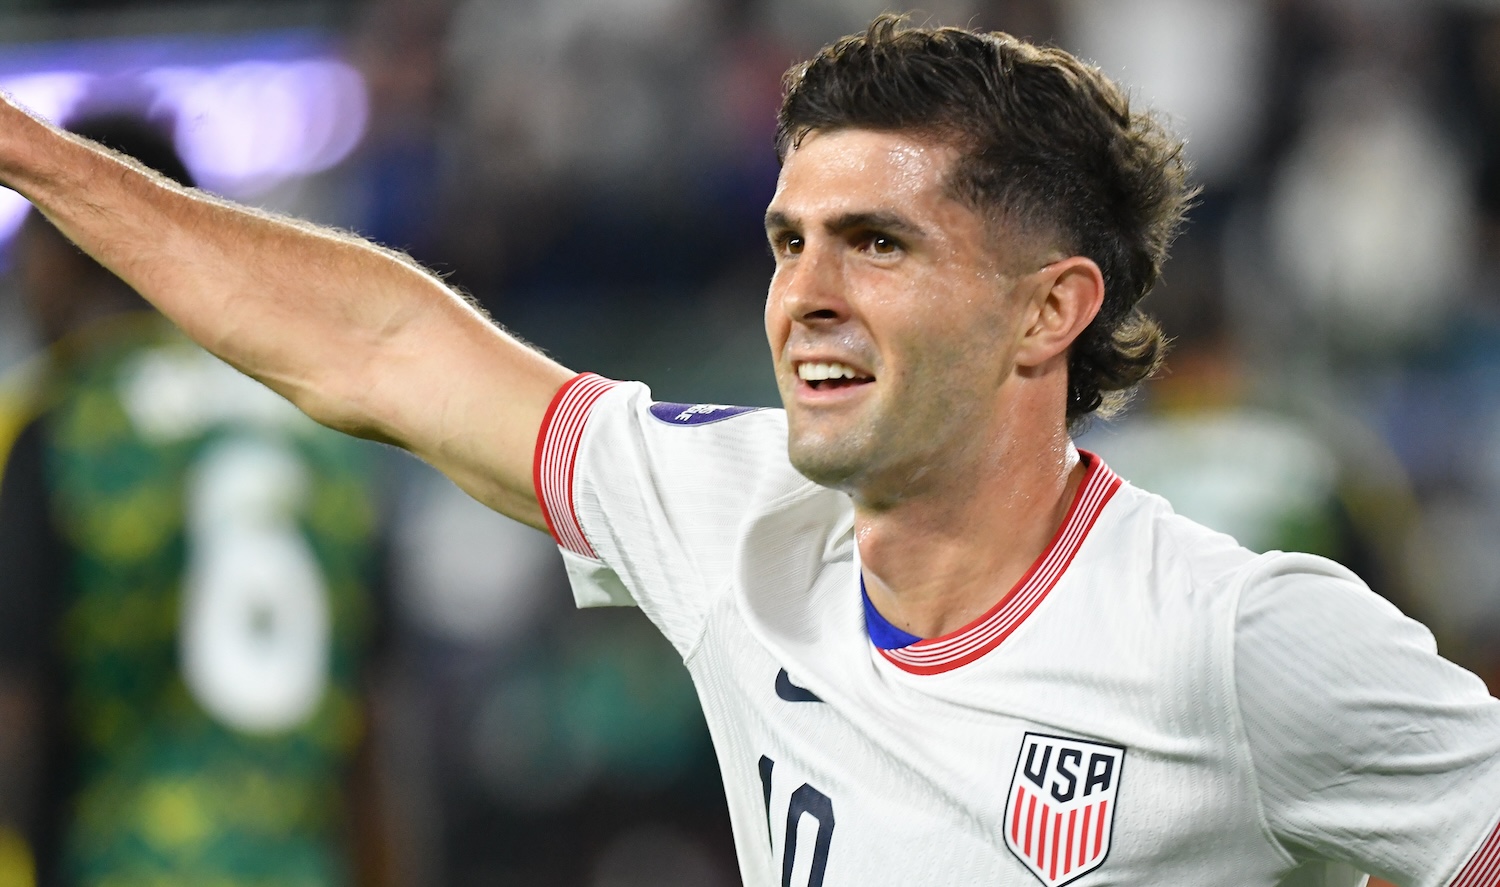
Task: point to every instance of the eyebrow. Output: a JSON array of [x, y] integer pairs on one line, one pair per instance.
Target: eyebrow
[[880, 221]]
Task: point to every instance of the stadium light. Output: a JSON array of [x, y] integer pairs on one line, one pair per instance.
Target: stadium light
[[250, 113]]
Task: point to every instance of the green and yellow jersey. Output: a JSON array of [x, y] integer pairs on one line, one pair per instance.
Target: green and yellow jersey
[[200, 610]]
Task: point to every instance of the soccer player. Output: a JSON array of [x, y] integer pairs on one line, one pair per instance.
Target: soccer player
[[935, 643], [185, 600]]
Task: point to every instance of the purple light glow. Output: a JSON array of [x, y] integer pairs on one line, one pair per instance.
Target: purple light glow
[[245, 128], [242, 128], [51, 95]]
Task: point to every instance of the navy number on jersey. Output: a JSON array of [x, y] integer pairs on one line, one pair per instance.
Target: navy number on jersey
[[808, 830]]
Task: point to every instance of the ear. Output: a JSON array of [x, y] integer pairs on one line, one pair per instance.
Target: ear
[[1064, 297]]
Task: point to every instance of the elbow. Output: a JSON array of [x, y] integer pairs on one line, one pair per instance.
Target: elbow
[[342, 408]]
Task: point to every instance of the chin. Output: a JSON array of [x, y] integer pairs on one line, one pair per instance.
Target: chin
[[833, 464], [835, 477]]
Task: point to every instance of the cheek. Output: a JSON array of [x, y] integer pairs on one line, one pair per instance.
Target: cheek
[[959, 341], [777, 325]]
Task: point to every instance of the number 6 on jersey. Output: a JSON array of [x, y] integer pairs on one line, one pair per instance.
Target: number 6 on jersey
[[255, 622]]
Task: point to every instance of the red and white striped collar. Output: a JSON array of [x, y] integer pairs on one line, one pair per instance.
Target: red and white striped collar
[[960, 647], [555, 465]]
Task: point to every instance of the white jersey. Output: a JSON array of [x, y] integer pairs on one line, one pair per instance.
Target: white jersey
[[1152, 704]]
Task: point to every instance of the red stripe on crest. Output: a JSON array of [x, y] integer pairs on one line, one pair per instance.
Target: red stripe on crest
[[1030, 817], [1015, 817], [1099, 833], [1083, 839], [1041, 842], [1056, 831]]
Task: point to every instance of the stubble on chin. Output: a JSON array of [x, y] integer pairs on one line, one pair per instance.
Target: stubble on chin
[[854, 467], [876, 464], [835, 461]]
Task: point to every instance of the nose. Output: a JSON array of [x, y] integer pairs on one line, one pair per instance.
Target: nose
[[810, 288]]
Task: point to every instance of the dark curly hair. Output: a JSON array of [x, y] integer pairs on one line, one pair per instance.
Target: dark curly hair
[[1048, 144]]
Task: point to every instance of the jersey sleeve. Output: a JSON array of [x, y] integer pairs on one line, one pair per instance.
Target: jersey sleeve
[[645, 499], [1369, 748]]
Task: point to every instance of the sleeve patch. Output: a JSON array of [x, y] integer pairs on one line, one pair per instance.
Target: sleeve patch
[[696, 414]]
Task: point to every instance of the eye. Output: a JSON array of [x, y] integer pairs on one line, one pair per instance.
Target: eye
[[786, 244], [881, 245]]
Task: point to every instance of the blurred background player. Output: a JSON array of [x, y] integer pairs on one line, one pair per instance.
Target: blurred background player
[[186, 606]]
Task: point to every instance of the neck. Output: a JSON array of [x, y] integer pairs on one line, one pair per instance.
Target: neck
[[934, 563]]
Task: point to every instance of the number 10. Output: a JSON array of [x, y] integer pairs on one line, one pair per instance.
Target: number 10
[[805, 800]]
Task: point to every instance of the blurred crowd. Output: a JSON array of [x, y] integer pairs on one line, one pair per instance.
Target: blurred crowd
[[594, 173]]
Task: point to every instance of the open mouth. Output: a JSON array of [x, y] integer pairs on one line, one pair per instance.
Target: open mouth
[[829, 376]]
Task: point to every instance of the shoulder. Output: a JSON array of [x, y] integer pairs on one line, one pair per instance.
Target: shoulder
[[1366, 744], [1287, 598], [621, 475], [1142, 535], [1316, 650], [1263, 477], [704, 450], [1143, 529], [601, 400]]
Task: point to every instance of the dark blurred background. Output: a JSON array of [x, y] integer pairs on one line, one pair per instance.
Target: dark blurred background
[[594, 172]]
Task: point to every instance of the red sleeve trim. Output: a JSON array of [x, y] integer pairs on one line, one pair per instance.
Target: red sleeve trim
[[555, 460], [1483, 869]]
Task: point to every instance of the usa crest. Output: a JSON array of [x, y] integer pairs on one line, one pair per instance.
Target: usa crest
[[1060, 814]]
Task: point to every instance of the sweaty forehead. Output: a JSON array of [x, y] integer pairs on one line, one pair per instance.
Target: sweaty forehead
[[861, 169]]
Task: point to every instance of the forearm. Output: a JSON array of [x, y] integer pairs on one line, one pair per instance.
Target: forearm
[[358, 337], [229, 276]]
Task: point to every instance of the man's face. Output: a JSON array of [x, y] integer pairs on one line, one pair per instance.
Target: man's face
[[891, 318]]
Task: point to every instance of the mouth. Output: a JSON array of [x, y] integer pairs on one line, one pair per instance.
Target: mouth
[[831, 375]]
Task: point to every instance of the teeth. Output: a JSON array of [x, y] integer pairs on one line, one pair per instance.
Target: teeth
[[817, 372]]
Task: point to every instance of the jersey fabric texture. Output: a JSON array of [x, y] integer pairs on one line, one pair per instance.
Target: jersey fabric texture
[[194, 596], [1151, 704]]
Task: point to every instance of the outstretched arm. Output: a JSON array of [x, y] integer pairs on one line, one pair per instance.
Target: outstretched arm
[[358, 337]]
